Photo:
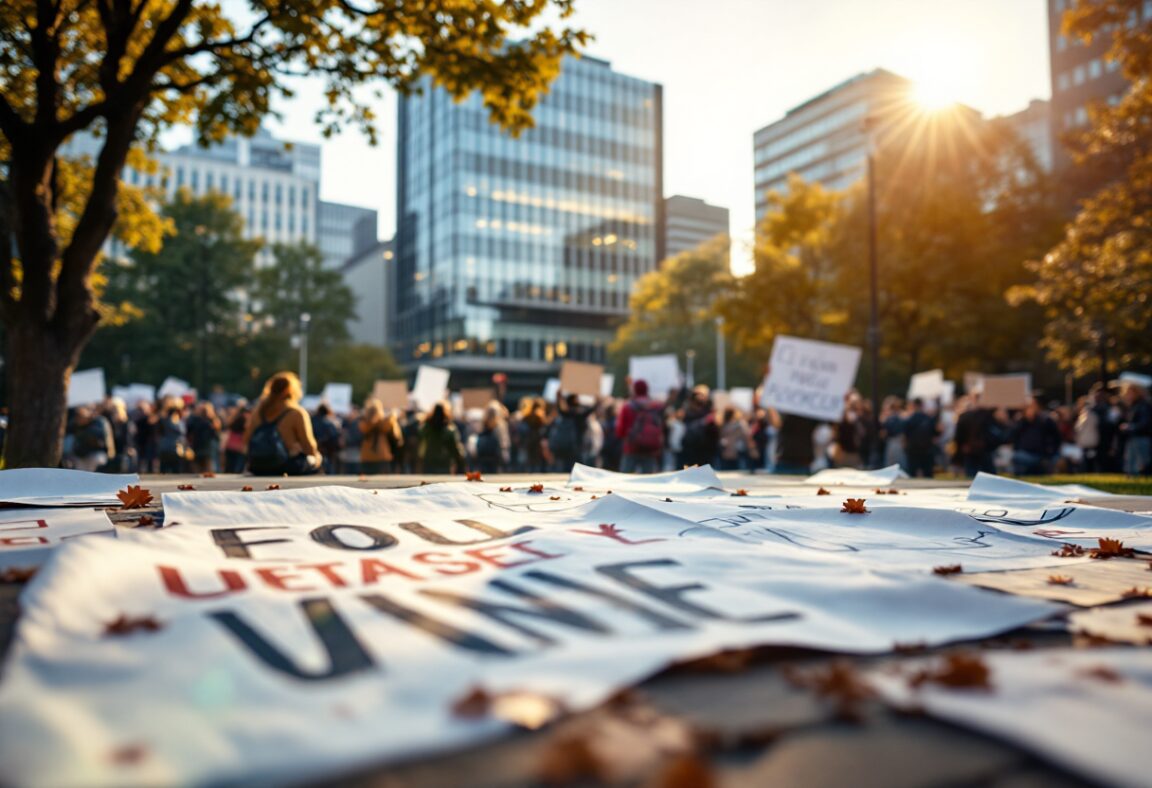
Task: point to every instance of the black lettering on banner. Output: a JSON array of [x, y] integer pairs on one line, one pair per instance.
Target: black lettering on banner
[[673, 596], [345, 653], [435, 537], [446, 632], [662, 622], [327, 536], [541, 608], [228, 540]]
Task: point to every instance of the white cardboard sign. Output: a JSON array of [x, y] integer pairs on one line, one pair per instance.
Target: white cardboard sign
[[662, 373], [86, 388], [338, 396], [174, 387], [810, 378], [431, 387], [927, 385], [27, 536]]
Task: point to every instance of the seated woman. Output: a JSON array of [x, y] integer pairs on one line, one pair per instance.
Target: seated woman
[[279, 435]]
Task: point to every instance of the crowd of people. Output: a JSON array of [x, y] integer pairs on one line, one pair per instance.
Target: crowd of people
[[1109, 430]]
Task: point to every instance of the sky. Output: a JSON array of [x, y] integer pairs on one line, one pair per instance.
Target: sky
[[729, 67]]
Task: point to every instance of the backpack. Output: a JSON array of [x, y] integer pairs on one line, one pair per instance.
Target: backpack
[[646, 436], [329, 437], [266, 450], [563, 437], [91, 439], [173, 441], [697, 436], [487, 445]]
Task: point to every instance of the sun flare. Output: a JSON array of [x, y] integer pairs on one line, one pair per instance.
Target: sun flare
[[938, 76]]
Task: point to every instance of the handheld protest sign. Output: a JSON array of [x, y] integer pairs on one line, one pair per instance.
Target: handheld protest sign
[[580, 378], [810, 378]]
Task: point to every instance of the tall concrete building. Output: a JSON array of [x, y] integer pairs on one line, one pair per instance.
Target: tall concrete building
[[1080, 76], [513, 254], [1034, 125], [344, 232], [689, 222], [370, 276]]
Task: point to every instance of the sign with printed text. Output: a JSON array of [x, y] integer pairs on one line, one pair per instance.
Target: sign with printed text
[[810, 378], [662, 373]]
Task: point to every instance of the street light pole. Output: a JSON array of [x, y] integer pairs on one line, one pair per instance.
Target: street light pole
[[721, 361], [691, 378], [874, 293], [305, 319]]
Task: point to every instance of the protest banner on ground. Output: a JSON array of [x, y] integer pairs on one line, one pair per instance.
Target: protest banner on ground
[[662, 373], [809, 378], [1005, 391], [27, 536], [476, 398], [431, 387], [338, 396], [219, 648], [62, 487], [579, 378], [391, 393], [86, 387]]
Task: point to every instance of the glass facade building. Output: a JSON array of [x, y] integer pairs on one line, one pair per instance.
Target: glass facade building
[[513, 254]]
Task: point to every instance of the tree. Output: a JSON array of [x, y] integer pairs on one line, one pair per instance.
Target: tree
[[360, 365], [185, 297], [1095, 285], [673, 309], [128, 69], [793, 287]]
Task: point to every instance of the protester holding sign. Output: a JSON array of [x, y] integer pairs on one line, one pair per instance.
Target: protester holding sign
[[641, 427], [279, 437], [380, 438], [441, 450]]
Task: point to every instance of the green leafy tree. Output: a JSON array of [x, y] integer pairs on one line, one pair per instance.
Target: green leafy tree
[[186, 297], [360, 365], [130, 69], [673, 310], [1095, 284]]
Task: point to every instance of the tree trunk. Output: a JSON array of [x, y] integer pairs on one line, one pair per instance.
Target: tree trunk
[[39, 368]]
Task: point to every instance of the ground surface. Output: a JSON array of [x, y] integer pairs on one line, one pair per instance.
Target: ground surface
[[737, 720]]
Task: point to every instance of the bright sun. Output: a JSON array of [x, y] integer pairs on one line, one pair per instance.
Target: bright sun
[[938, 76]]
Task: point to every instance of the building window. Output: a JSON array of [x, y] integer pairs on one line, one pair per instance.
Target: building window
[[195, 180], [1095, 68], [1062, 80], [1081, 116], [264, 192], [179, 177], [1061, 43], [1078, 75]]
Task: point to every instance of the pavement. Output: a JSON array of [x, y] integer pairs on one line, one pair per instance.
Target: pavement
[[734, 720]]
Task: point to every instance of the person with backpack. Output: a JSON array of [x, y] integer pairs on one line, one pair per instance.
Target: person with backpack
[[566, 432], [493, 440], [329, 436], [640, 426], [441, 450], [173, 447], [279, 437], [204, 438], [234, 443], [380, 438], [920, 431], [701, 434], [92, 443]]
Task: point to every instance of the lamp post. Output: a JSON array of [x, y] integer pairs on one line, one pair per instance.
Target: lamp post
[[204, 236], [873, 283], [305, 319], [691, 377], [721, 365]]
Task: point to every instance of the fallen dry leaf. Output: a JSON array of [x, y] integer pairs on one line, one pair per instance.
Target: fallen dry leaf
[[1112, 548], [839, 682], [473, 476], [569, 759], [18, 574], [273, 487], [128, 755], [667, 500], [246, 488], [1136, 593], [953, 569], [1069, 551], [423, 483], [554, 498], [473, 704], [505, 489], [126, 625], [146, 519], [881, 492], [578, 489], [894, 491], [854, 506], [958, 671], [536, 488], [134, 497], [740, 493], [822, 491], [1144, 620], [185, 487], [208, 475], [1060, 580], [1102, 673]]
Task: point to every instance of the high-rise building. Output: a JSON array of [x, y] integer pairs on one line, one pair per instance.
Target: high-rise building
[[513, 254], [369, 275], [1081, 76], [344, 231], [689, 222], [1033, 125]]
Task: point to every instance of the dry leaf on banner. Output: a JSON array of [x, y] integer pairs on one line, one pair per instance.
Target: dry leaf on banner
[[208, 475], [958, 671], [474, 704], [953, 569], [146, 519], [134, 497], [185, 487], [1069, 551], [1112, 548], [536, 488], [822, 491], [505, 489], [17, 574], [854, 506], [1102, 673], [578, 489], [1060, 580], [740, 493], [126, 625], [473, 476], [246, 488], [273, 486]]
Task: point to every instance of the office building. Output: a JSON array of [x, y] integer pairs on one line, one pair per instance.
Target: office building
[[513, 254], [689, 222], [344, 232], [1033, 125], [369, 275], [1081, 77]]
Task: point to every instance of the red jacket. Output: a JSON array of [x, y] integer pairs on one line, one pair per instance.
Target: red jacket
[[627, 417]]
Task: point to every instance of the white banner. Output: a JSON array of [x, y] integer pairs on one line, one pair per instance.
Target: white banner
[[338, 396], [431, 387], [62, 487], [215, 650], [135, 393], [810, 378], [27, 536], [927, 385], [86, 387], [174, 387]]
